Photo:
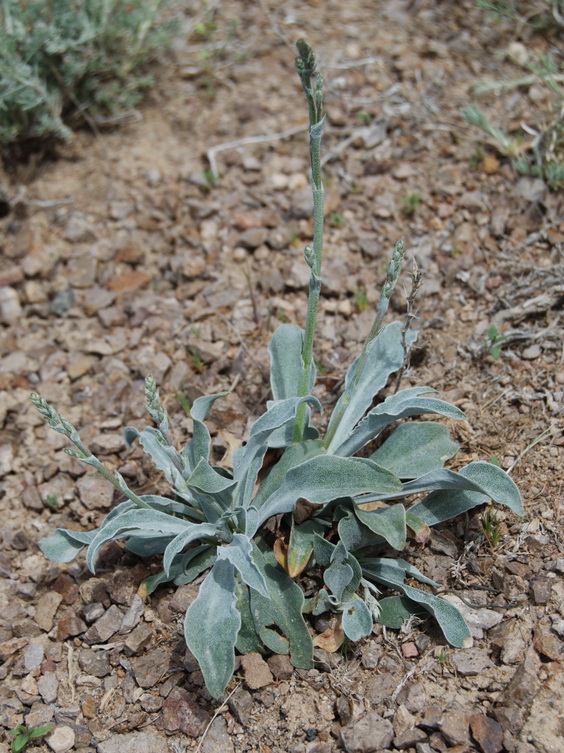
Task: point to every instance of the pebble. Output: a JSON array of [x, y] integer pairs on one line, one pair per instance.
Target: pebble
[[48, 687], [532, 352], [181, 713], [138, 639], [61, 739], [369, 734], [6, 459], [454, 727], [106, 626], [134, 742], [477, 620], [217, 738], [257, 671], [45, 609], [149, 669], [70, 625], [133, 615], [241, 706], [471, 661], [281, 667], [33, 656], [95, 492], [96, 663], [10, 307], [487, 732]]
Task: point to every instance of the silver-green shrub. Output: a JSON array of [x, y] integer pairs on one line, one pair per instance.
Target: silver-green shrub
[[59, 58], [214, 521]]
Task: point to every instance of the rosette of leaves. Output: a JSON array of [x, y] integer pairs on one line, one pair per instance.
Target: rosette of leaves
[[326, 508]]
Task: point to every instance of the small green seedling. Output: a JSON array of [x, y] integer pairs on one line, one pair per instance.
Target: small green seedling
[[52, 502], [361, 299], [22, 736], [493, 342], [336, 219], [412, 203], [492, 528], [364, 117]]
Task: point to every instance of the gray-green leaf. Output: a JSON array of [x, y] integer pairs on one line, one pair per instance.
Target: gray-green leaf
[[211, 626], [415, 448]]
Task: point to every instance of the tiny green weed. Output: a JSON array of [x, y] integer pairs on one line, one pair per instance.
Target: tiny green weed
[[336, 219], [412, 202], [23, 735], [492, 528], [361, 299], [493, 342], [52, 502]]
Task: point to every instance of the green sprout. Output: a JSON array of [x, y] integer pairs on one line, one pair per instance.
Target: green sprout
[[361, 299], [22, 735], [412, 202], [52, 503], [492, 528], [336, 219], [493, 342]]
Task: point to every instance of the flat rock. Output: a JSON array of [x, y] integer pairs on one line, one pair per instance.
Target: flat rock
[[471, 661], [149, 669], [33, 656], [487, 732], [108, 624], [217, 738], [454, 727], [70, 625], [257, 672], [477, 620], [241, 706], [45, 609], [369, 734], [134, 742], [61, 739], [95, 492], [181, 713], [48, 687], [281, 667]]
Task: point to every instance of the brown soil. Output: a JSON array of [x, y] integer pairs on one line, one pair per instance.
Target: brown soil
[[120, 259]]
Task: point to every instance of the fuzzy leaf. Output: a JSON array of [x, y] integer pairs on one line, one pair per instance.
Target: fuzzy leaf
[[384, 356], [293, 455], [449, 618], [387, 522], [164, 456], [415, 448], [147, 544], [394, 570], [186, 536], [247, 461], [130, 434], [64, 545], [357, 619], [286, 363], [248, 640], [283, 608], [337, 577], [198, 447], [401, 405], [325, 478], [239, 553], [300, 547], [395, 610], [211, 626], [473, 485], [131, 523]]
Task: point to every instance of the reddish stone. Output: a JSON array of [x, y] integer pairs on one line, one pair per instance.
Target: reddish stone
[[70, 625], [487, 733], [66, 587], [181, 713]]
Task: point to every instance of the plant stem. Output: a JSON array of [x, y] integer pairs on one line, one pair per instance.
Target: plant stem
[[313, 254]]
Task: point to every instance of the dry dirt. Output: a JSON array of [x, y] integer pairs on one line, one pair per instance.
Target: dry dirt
[[121, 259]]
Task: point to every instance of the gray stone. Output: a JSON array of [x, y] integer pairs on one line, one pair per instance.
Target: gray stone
[[95, 663], [48, 687], [138, 639], [10, 307], [33, 656], [134, 742], [477, 620], [253, 237], [413, 697], [217, 738], [6, 459], [454, 727], [149, 669], [95, 492], [241, 706], [380, 687], [471, 661], [257, 672], [103, 629], [409, 738], [369, 734], [133, 615], [61, 739], [79, 230], [93, 612]]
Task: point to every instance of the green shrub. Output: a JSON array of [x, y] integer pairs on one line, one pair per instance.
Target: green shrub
[[331, 513], [63, 62]]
